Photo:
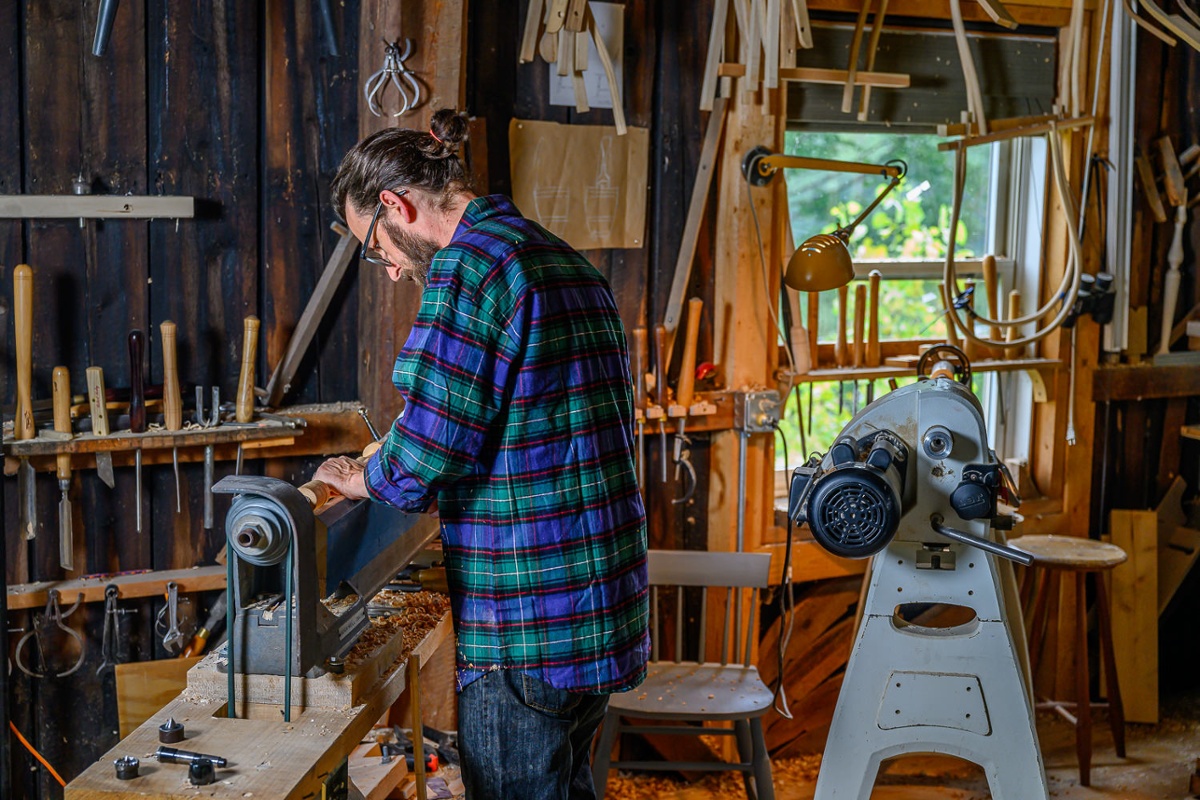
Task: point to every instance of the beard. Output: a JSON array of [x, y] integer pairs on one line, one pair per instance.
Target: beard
[[418, 250]]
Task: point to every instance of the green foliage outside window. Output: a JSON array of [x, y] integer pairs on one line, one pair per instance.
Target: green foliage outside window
[[910, 224]]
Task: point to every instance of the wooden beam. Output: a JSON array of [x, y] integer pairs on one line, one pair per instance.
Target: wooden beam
[[1144, 382], [1135, 612], [152, 583]]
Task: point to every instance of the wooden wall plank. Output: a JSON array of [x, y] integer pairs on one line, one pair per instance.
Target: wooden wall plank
[[1135, 612]]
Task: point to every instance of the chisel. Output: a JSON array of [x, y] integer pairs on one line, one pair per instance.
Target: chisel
[[244, 407], [660, 387], [137, 411], [23, 425], [172, 402], [61, 386], [99, 413], [641, 350]]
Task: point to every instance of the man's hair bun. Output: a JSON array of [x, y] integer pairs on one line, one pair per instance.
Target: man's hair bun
[[447, 130]]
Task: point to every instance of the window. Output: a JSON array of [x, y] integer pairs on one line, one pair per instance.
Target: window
[[905, 239]]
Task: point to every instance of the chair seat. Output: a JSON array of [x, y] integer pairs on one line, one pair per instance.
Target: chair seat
[[695, 691]]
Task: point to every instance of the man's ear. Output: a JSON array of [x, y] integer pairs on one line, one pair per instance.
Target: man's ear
[[401, 202]]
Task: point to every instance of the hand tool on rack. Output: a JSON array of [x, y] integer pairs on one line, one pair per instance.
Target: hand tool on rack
[[874, 354], [109, 655], [50, 621], [683, 397], [137, 411], [991, 285], [660, 387], [841, 352], [61, 387], [99, 414], [167, 623], [860, 344], [244, 406], [208, 420], [172, 402], [641, 347], [23, 427], [216, 616]]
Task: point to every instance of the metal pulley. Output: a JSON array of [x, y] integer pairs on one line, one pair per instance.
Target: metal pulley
[[853, 507]]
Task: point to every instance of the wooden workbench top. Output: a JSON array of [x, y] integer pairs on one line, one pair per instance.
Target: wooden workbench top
[[268, 758]]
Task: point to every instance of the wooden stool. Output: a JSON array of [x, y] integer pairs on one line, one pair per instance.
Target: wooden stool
[[1054, 555]]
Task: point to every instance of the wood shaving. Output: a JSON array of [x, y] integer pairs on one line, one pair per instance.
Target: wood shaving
[[416, 614]]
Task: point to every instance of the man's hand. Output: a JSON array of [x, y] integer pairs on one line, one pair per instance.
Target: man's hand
[[344, 475]]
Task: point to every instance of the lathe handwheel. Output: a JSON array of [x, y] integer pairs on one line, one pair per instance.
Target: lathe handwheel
[[949, 353]]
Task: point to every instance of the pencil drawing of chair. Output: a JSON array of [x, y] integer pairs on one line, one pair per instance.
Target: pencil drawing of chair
[[693, 692]]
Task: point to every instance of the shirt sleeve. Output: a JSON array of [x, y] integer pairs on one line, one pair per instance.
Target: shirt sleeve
[[454, 372]]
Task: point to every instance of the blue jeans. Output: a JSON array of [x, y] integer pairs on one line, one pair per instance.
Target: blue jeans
[[519, 738]]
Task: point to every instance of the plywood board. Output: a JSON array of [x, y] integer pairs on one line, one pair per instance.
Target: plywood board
[[1135, 612], [143, 688]]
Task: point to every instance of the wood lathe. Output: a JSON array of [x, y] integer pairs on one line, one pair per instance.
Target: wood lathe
[[292, 692]]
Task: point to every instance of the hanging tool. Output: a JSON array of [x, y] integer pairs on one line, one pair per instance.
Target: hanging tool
[[874, 356], [660, 387], [641, 347], [109, 655], [683, 397], [61, 385], [104, 22], [167, 623], [208, 421], [393, 70], [137, 411], [50, 621], [99, 414], [244, 406], [23, 427], [172, 402]]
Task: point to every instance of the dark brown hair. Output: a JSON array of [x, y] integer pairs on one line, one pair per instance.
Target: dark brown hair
[[400, 158]]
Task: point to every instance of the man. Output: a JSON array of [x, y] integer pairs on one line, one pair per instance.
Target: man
[[517, 429]]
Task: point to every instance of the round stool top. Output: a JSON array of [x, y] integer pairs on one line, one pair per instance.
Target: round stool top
[[1070, 552]]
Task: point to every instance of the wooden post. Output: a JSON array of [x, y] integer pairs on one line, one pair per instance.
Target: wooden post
[[386, 310]]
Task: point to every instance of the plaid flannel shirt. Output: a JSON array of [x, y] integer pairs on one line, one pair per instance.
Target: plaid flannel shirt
[[518, 422]]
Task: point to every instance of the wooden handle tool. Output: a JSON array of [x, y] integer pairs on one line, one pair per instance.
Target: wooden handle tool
[[641, 352], [1014, 311], [172, 401], [874, 352], [137, 389], [99, 413], [687, 365], [23, 317], [660, 364], [860, 314], [991, 285], [840, 351], [245, 391], [61, 387]]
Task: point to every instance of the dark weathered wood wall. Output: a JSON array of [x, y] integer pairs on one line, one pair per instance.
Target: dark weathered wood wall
[[242, 106]]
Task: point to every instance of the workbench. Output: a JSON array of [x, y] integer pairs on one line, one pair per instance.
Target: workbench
[[269, 759]]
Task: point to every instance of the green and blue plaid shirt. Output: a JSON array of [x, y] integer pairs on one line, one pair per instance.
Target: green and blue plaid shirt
[[518, 421]]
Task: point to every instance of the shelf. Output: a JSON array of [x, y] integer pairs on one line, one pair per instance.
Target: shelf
[[324, 429], [151, 583], [887, 371]]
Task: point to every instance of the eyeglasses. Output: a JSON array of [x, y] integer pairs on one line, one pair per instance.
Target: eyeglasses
[[373, 255]]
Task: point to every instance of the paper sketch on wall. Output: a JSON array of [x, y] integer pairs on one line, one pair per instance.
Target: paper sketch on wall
[[600, 200], [551, 201], [581, 182]]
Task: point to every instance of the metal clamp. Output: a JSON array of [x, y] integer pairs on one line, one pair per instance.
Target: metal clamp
[[52, 617], [683, 464]]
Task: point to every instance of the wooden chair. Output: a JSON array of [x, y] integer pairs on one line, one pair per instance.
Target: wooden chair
[[692, 692]]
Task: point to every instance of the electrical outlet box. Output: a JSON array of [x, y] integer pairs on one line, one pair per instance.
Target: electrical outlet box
[[757, 412]]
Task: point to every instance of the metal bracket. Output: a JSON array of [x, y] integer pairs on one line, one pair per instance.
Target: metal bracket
[[756, 412]]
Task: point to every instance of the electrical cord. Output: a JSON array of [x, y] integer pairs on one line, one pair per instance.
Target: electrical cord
[[37, 755], [787, 606]]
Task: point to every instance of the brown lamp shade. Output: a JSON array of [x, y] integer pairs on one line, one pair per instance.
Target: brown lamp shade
[[820, 264]]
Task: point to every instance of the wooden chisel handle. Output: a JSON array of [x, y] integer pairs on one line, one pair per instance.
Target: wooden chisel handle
[[874, 353], [137, 389], [23, 317], [641, 348], [991, 284], [860, 316], [687, 366], [660, 364], [96, 404], [814, 305], [1014, 311], [61, 387], [245, 390], [841, 353], [172, 401], [317, 493]]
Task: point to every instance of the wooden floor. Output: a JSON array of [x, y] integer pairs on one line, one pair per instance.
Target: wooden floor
[[1159, 761]]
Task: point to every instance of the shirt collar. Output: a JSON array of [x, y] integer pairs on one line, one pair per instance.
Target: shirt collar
[[482, 208]]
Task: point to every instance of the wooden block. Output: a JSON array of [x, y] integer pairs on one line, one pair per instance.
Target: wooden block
[[1135, 612], [1136, 347], [145, 687], [374, 779]]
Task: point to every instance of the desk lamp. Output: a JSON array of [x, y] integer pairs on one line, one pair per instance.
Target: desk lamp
[[822, 262]]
